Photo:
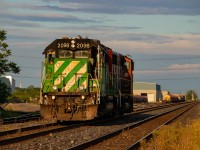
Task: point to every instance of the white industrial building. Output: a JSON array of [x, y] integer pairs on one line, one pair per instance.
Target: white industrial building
[[9, 81], [151, 90]]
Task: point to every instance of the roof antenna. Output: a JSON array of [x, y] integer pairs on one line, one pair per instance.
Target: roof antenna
[[79, 37], [65, 37]]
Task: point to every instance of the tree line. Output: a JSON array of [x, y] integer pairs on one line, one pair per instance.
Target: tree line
[[5, 65]]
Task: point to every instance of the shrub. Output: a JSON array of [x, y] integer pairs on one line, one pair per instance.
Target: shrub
[[175, 137]]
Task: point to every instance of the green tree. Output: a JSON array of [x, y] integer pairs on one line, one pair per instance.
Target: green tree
[[4, 91], [30, 87], [191, 95], [25, 94], [5, 65]]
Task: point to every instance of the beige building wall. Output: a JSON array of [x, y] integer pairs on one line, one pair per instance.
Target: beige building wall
[[156, 95], [151, 90]]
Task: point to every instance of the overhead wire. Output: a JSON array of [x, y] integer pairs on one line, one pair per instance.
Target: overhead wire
[[184, 78], [170, 69], [25, 76], [146, 59], [150, 59], [26, 56], [162, 79], [169, 58]]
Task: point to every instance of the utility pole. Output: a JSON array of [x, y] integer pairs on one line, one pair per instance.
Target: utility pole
[[20, 85]]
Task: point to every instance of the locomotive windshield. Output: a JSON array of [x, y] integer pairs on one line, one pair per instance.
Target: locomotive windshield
[[71, 54], [65, 54], [81, 54]]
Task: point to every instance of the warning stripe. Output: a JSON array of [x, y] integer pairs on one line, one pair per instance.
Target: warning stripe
[[65, 71], [57, 65], [74, 79], [72, 73]]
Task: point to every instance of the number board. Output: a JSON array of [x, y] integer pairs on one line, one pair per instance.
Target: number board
[[73, 44]]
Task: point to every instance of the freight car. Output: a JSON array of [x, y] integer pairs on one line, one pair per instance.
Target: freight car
[[82, 79], [174, 98], [140, 99]]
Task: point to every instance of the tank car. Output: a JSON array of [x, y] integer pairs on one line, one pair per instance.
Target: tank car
[[167, 98], [83, 79], [174, 98], [140, 99]]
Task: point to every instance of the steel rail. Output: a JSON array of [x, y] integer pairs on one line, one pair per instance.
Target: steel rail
[[29, 117], [23, 118], [46, 131], [158, 107], [136, 145], [98, 140], [36, 132], [53, 124], [13, 131]]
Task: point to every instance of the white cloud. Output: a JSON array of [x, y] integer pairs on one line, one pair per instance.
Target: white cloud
[[185, 66], [176, 44], [77, 6], [174, 68], [170, 7]]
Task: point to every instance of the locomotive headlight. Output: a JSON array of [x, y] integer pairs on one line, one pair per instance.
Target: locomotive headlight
[[53, 97], [55, 87], [72, 41], [73, 45], [83, 97]]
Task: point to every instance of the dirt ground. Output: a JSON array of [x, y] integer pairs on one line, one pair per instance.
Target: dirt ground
[[24, 107]]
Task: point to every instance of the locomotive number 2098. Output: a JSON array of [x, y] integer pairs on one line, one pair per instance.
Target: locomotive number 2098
[[63, 45], [77, 45], [83, 45]]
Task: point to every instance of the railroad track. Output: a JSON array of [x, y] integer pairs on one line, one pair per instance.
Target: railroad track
[[142, 110], [30, 117], [21, 134], [25, 133], [22, 118], [125, 138]]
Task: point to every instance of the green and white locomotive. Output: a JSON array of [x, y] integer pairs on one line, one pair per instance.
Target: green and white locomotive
[[83, 79]]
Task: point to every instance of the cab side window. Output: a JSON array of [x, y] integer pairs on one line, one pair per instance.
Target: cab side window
[[51, 56]]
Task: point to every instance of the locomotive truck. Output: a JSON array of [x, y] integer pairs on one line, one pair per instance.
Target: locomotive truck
[[83, 79]]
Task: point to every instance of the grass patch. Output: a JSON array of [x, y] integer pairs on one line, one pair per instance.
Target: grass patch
[[175, 137]]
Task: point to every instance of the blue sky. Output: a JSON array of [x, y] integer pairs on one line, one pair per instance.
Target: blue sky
[[161, 36]]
